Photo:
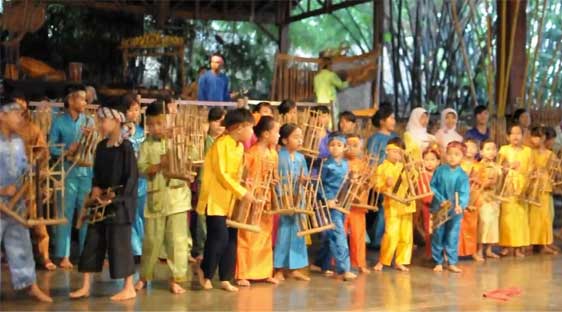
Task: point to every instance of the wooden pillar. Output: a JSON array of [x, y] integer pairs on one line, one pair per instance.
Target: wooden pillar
[[511, 55], [283, 13], [378, 32], [283, 40]]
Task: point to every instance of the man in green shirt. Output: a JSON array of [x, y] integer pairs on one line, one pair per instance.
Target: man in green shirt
[[326, 84]]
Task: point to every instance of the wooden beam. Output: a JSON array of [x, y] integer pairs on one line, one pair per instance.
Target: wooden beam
[[328, 7], [267, 32]]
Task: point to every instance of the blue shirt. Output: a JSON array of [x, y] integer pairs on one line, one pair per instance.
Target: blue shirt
[[474, 134], [323, 151], [13, 165], [376, 145], [295, 167], [213, 87], [67, 131], [333, 175], [137, 140], [447, 181]]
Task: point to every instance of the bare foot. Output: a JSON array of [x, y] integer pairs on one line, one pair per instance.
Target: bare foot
[[299, 276], [477, 257], [491, 254], [378, 267], [65, 264], [225, 285], [272, 280], [243, 283], [141, 284], [125, 294], [279, 276], [176, 288], [83, 292], [455, 269], [315, 268], [349, 276], [438, 268], [519, 253], [364, 270], [204, 282], [49, 265], [505, 252], [328, 273], [37, 293], [401, 267], [546, 250]]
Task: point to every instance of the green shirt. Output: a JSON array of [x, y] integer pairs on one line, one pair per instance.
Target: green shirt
[[326, 83]]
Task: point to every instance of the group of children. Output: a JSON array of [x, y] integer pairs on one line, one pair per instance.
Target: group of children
[[150, 211]]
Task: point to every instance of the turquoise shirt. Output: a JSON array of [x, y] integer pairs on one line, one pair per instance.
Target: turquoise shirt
[[333, 176], [447, 181], [137, 140], [376, 144], [67, 131], [295, 167]]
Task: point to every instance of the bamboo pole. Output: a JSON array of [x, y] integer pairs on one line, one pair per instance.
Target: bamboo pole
[[489, 70], [501, 101], [535, 56]]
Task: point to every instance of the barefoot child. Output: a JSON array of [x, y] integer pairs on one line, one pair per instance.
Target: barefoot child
[[489, 211], [397, 241], [254, 260], [14, 236], [222, 172], [115, 166], [431, 159], [448, 180], [290, 250], [168, 203], [469, 224]]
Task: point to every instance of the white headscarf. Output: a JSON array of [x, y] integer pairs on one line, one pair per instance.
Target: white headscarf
[[416, 130], [446, 135]]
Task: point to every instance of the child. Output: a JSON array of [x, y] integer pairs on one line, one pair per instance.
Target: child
[[115, 166], [133, 116], [449, 183], [290, 250], [220, 187], [469, 224], [324, 116], [398, 236], [514, 217], [489, 210], [67, 130], [255, 254], [14, 236], [347, 122], [431, 159], [448, 131], [262, 109], [334, 171], [288, 111], [355, 222], [216, 129], [540, 217], [166, 211]]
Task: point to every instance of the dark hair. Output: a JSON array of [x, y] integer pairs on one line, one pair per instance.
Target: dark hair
[[155, 109], [457, 144], [385, 111], [334, 135], [549, 133], [219, 55], [260, 105], [353, 135], [266, 123], [71, 89], [215, 113], [347, 115], [537, 131], [479, 109], [472, 141], [517, 114], [286, 131], [487, 141], [237, 116], [513, 125], [128, 100], [286, 106], [398, 142], [321, 109], [17, 94]]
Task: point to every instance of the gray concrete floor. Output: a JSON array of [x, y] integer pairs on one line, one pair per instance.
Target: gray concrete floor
[[539, 276]]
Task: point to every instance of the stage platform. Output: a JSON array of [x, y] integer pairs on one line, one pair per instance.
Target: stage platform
[[539, 277]]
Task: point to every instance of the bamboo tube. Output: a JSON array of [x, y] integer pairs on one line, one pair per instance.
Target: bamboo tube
[[501, 102], [535, 56]]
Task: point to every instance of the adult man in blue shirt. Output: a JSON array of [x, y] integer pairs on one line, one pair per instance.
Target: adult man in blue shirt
[[480, 132], [213, 85]]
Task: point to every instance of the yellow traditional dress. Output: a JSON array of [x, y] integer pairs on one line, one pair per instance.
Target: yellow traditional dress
[[255, 251], [540, 217], [489, 210], [514, 215]]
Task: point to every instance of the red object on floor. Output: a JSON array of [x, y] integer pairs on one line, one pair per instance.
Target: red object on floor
[[503, 294]]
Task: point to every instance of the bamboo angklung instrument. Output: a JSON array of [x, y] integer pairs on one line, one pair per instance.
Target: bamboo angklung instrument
[[444, 214], [93, 211], [312, 129], [367, 176]]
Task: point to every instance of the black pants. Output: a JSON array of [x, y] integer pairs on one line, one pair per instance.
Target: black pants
[[220, 249], [113, 239]]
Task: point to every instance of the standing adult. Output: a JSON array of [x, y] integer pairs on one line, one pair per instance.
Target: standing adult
[[326, 85], [213, 84], [480, 131]]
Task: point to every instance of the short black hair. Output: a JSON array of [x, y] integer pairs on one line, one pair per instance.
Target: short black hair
[[549, 133], [517, 114], [286, 131], [537, 131], [215, 113], [286, 106], [155, 109], [347, 115], [260, 105], [487, 141], [128, 100], [398, 142], [238, 116], [479, 109], [71, 89], [266, 123], [17, 94], [321, 109], [385, 111], [511, 126]]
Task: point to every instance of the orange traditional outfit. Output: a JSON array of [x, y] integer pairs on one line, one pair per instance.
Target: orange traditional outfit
[[254, 260], [355, 223], [468, 240]]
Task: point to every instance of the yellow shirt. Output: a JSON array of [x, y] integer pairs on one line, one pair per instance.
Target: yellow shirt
[[524, 157], [164, 198], [389, 170], [541, 160], [222, 172]]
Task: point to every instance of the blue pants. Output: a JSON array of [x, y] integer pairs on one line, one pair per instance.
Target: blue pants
[[19, 252], [137, 234], [446, 237], [290, 250], [75, 191], [334, 245]]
